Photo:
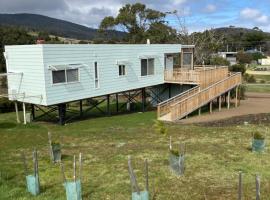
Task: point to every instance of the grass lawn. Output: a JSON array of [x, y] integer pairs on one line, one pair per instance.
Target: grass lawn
[[214, 157], [258, 88]]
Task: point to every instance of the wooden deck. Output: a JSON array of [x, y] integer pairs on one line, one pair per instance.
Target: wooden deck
[[211, 83], [201, 75]]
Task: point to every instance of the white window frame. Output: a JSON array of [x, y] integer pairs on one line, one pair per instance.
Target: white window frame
[[96, 86], [147, 68], [125, 69], [66, 82]]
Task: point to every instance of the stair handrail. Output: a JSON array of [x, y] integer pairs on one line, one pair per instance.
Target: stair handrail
[[232, 75]]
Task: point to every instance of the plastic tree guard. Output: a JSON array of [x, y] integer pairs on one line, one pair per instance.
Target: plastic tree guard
[[32, 184], [73, 190], [144, 195]]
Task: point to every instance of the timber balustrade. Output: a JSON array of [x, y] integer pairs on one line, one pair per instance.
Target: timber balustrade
[[164, 107], [189, 103], [201, 75]]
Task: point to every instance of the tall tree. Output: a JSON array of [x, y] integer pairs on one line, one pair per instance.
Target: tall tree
[[140, 23]]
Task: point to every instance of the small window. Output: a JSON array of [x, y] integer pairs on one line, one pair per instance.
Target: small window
[[147, 67], [59, 76], [122, 70], [72, 75]]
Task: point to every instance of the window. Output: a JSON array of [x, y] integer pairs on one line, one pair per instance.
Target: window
[[147, 67], [187, 59], [65, 76], [59, 76], [96, 75], [122, 70]]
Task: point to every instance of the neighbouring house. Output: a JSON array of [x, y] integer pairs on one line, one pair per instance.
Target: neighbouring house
[[264, 61], [229, 56], [164, 75]]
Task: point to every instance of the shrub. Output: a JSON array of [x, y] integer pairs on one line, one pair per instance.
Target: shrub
[[258, 136], [244, 58], [160, 127], [262, 81], [238, 68], [216, 60], [250, 78], [6, 105]]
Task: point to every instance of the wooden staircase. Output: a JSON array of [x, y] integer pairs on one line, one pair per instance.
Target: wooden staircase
[[211, 83]]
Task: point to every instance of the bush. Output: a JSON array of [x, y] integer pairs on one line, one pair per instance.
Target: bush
[[160, 127], [249, 78], [238, 68], [244, 58], [262, 81], [241, 92], [6, 105], [258, 136], [216, 60]]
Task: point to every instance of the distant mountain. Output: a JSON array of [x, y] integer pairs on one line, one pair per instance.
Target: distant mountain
[[54, 26], [238, 33]]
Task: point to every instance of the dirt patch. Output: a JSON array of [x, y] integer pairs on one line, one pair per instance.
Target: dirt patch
[[263, 118], [251, 108]]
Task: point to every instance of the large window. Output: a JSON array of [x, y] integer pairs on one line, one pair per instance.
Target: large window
[[147, 67], [122, 70], [96, 75], [65, 76]]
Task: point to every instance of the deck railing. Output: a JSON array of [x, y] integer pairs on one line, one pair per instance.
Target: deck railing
[[163, 108], [201, 75], [195, 101]]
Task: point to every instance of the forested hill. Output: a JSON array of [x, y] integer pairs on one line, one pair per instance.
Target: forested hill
[[53, 26]]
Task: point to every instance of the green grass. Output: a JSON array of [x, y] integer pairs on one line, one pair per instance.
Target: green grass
[[264, 78], [214, 157], [258, 88]]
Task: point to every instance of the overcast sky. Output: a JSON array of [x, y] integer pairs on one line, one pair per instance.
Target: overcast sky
[[199, 14]]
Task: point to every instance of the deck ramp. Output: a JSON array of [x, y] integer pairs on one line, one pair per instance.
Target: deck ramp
[[185, 103]]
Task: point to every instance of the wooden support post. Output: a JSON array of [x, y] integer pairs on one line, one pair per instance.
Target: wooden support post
[[170, 91], [62, 113], [143, 99], [108, 105], [236, 96], [17, 112], [199, 111], [258, 194], [80, 166], [117, 106], [24, 113], [33, 111], [211, 107], [228, 100], [81, 108], [219, 103], [240, 186]]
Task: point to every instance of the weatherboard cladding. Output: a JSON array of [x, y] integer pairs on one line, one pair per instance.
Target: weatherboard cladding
[[29, 60], [36, 66]]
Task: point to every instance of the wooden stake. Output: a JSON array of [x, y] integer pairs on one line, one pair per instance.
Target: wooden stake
[[146, 175], [24, 164], [50, 146], [74, 168], [258, 194], [80, 166], [132, 176], [17, 112], [170, 145], [240, 186], [63, 172]]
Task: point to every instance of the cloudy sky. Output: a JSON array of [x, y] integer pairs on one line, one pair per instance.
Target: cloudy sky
[[198, 14]]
